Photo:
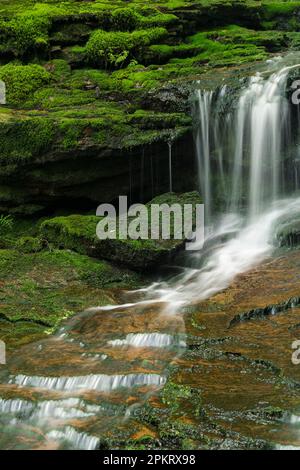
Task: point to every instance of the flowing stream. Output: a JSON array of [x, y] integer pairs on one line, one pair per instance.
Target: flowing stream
[[108, 360]]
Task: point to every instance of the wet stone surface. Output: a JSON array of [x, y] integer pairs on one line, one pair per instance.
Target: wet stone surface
[[138, 378]]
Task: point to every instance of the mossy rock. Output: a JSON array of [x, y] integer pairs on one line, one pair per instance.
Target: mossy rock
[[22, 80], [78, 233], [116, 48]]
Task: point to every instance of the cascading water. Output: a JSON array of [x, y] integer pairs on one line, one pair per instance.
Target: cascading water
[[251, 137], [204, 102], [241, 154], [256, 132]]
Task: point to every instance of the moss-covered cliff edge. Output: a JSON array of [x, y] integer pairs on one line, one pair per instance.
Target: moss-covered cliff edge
[[95, 91]]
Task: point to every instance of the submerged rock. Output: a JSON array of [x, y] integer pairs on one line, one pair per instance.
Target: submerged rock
[[289, 234]]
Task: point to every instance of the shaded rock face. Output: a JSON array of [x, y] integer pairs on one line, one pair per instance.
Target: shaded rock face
[[86, 177], [174, 97]]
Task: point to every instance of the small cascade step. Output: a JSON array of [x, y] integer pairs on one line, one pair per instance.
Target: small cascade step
[[102, 383]]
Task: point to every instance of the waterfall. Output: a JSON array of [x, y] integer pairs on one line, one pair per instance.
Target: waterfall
[[203, 141], [247, 158], [250, 137], [269, 111]]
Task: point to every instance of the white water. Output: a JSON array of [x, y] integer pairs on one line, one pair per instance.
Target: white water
[[204, 100], [147, 340], [70, 408], [15, 406], [79, 440], [252, 243], [252, 137], [101, 382]]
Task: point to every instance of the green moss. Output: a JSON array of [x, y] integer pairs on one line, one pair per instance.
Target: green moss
[[217, 51], [24, 32], [173, 394], [158, 19], [236, 35], [218, 47], [281, 15], [20, 140], [22, 81], [46, 287], [151, 120], [53, 97], [115, 48], [124, 19], [59, 69], [74, 232], [90, 77], [272, 9]]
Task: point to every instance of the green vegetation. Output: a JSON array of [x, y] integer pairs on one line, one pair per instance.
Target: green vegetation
[[22, 80], [6, 224], [124, 19], [29, 244], [28, 30], [22, 139], [41, 286], [115, 48], [46, 287], [175, 395]]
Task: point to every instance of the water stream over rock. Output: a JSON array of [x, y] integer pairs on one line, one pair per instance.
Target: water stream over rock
[[83, 383]]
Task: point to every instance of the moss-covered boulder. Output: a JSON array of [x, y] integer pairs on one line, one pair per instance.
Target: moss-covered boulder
[[78, 233]]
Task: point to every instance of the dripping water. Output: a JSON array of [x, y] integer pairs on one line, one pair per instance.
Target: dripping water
[[170, 167]]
